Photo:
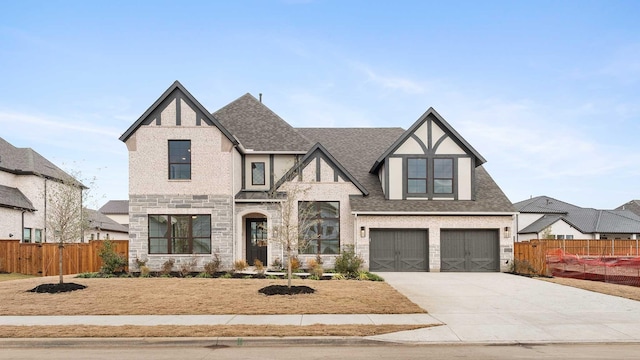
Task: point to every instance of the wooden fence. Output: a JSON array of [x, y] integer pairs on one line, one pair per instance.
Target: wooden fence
[[43, 259], [531, 256]]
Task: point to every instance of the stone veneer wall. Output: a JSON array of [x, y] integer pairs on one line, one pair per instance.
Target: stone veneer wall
[[218, 206]]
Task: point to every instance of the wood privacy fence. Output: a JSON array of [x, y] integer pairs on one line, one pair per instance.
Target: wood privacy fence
[[531, 256], [43, 259]]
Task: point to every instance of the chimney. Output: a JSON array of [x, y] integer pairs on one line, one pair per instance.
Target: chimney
[[260, 96]]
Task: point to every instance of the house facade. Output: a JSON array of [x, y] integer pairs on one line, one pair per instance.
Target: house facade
[[214, 184], [543, 217], [28, 184]]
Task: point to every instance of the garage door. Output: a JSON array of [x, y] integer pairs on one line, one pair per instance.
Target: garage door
[[469, 250], [399, 250]]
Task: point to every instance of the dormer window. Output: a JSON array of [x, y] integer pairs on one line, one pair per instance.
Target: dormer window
[[442, 176], [416, 176]]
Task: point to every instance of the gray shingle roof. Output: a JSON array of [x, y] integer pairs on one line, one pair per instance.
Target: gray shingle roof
[[633, 206], [26, 161], [586, 220], [258, 128], [13, 198], [115, 207], [358, 148], [98, 220]]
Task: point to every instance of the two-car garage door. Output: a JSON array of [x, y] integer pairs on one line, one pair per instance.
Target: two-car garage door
[[468, 250]]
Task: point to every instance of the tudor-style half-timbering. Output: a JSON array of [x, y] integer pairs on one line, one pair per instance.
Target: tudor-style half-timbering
[[430, 161]]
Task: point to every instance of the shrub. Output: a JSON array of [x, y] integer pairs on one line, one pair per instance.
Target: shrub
[[295, 263], [187, 267], [259, 266], [348, 262], [88, 275], [167, 267], [139, 263], [111, 260], [227, 276], [214, 265], [240, 265], [339, 276], [145, 271], [204, 275], [374, 277], [277, 264]]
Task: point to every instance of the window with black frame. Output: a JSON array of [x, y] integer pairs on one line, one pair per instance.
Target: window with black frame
[[179, 234], [179, 159], [320, 221]]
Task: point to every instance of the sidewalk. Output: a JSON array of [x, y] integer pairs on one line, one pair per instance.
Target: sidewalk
[[152, 320]]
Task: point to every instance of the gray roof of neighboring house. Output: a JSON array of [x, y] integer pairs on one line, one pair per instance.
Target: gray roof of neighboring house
[[13, 198], [586, 220], [358, 148], [26, 161], [633, 206], [115, 207], [100, 221], [258, 128]]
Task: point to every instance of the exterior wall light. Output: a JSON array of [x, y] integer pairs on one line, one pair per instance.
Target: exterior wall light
[[507, 232], [362, 231]]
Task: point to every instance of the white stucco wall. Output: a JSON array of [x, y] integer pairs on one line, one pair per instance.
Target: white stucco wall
[[395, 178], [11, 223], [248, 159], [119, 218]]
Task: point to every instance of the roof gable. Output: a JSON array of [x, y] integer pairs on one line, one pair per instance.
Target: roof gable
[[260, 129], [452, 137], [176, 91], [319, 152]]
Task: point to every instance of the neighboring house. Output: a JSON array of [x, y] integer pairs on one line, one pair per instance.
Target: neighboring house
[[101, 227], [117, 210], [544, 217], [27, 182], [633, 206], [415, 200]]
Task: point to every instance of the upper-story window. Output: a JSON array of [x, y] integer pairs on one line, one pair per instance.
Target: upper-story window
[[442, 176], [257, 173], [416, 176], [179, 159]]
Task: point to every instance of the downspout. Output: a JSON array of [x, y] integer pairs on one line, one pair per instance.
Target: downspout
[[45, 211], [234, 251], [81, 216], [355, 233], [22, 229]]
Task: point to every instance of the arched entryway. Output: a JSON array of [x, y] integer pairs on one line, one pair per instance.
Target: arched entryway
[[256, 238]]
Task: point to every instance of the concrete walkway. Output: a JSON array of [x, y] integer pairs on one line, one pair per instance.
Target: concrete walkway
[[504, 308], [152, 320]]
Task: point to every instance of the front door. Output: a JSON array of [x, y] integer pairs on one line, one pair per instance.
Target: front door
[[256, 241]]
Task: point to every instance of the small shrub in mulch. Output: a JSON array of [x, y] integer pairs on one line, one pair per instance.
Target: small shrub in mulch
[[56, 288], [285, 290]]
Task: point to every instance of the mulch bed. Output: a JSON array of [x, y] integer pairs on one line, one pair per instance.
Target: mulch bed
[[56, 288], [285, 290]]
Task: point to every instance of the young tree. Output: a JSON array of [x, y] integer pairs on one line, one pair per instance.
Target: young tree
[[66, 217], [296, 218]]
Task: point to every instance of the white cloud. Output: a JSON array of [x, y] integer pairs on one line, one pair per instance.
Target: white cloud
[[389, 81]]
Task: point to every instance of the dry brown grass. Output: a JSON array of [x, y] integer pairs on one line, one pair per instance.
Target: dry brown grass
[[14, 276], [199, 331], [172, 296], [625, 291]]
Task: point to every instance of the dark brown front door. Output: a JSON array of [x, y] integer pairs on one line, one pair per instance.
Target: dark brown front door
[[256, 240]]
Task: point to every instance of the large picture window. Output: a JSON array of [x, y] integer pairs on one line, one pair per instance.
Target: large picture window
[[321, 224], [179, 159], [416, 176], [442, 176], [257, 173], [179, 234]]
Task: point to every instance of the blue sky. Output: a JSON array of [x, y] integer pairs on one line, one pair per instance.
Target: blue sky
[[547, 91]]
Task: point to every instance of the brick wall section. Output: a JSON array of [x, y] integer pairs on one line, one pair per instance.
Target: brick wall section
[[218, 206]]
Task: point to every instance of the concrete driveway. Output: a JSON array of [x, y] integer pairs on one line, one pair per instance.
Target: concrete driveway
[[505, 308]]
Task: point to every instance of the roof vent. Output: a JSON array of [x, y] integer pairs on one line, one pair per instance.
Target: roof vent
[[260, 96]]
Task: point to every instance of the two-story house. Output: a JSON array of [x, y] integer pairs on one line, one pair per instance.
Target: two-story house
[[202, 184], [28, 187]]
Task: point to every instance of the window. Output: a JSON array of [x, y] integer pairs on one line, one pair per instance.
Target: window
[[442, 176], [38, 236], [321, 219], [93, 237], [416, 176], [569, 237], [257, 173], [26, 235], [559, 237], [179, 159], [179, 234]]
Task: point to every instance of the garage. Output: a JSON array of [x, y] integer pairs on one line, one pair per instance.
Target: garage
[[399, 250], [469, 250]]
